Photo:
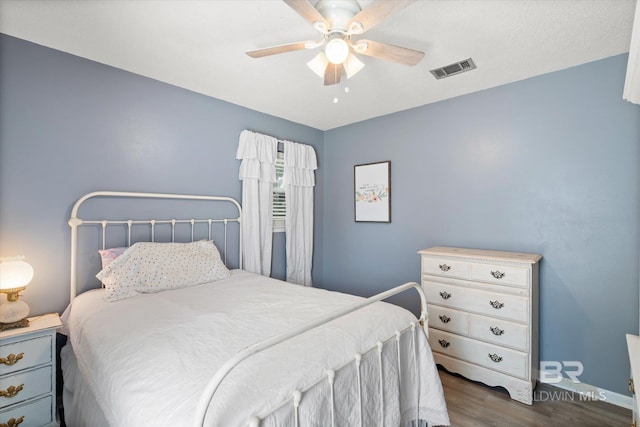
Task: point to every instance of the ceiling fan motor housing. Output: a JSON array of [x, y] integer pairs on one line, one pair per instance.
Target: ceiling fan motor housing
[[338, 13]]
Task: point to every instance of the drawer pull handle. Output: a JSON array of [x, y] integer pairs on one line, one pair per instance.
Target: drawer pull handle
[[444, 267], [11, 359], [444, 343], [498, 274], [13, 422], [496, 330], [445, 295], [12, 391], [632, 388], [496, 304], [444, 318], [495, 357]]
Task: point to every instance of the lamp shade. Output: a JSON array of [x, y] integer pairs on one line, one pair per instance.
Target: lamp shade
[[15, 273]]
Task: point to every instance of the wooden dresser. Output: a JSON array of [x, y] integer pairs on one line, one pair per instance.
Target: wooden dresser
[[483, 315]]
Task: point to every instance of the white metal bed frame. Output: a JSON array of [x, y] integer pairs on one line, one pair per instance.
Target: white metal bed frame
[[207, 396]]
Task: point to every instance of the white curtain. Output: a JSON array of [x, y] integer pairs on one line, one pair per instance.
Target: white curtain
[[258, 174], [632, 82], [299, 180]]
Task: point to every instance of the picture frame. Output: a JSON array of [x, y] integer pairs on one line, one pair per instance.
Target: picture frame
[[372, 192]]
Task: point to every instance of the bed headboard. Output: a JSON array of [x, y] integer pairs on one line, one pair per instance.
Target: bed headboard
[[219, 210]]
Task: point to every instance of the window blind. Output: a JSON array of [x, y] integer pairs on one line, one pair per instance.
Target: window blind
[[279, 202]]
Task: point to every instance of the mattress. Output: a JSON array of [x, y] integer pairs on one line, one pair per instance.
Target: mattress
[[146, 360]]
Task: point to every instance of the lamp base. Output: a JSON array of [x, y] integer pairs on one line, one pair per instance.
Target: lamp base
[[24, 323]]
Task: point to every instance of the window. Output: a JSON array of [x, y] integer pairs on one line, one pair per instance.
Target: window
[[279, 202]]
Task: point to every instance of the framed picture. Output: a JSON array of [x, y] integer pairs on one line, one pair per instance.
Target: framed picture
[[372, 192]]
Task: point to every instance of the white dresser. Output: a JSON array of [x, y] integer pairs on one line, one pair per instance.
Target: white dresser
[[28, 373], [633, 345], [483, 315]]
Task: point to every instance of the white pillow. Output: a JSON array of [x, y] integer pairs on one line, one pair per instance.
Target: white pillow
[[148, 267]]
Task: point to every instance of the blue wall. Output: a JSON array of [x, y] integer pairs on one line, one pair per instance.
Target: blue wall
[[69, 126], [548, 165]]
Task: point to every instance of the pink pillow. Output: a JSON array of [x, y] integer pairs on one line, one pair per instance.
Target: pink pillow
[[109, 255]]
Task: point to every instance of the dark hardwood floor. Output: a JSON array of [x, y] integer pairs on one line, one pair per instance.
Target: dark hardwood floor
[[474, 404]]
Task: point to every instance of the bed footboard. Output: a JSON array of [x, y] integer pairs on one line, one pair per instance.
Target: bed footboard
[[218, 378]]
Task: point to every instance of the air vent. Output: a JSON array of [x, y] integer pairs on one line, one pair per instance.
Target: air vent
[[453, 69]]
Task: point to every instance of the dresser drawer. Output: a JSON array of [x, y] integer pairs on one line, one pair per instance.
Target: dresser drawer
[[25, 354], [25, 385], [500, 274], [445, 268], [490, 356], [482, 302], [36, 413], [501, 332], [448, 319]]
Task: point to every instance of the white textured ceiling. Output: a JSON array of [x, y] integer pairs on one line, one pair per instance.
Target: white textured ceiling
[[200, 45]]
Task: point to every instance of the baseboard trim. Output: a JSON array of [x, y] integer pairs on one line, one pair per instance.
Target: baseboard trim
[[596, 393]]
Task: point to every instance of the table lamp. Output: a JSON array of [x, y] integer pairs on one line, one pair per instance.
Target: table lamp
[[15, 274]]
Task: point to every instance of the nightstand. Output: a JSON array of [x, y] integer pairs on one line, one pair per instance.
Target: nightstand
[[28, 373]]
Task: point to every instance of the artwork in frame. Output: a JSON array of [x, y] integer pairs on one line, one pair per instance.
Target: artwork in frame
[[372, 192]]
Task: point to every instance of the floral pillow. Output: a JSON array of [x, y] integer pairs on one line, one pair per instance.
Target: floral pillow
[[107, 256], [148, 267]]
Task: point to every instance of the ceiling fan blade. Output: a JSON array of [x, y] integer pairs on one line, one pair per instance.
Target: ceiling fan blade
[[307, 11], [332, 74], [377, 11], [274, 50], [401, 55]]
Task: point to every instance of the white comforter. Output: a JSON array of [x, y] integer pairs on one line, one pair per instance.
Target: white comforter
[[148, 358]]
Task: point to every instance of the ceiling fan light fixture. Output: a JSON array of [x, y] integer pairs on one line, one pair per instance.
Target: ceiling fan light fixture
[[318, 64], [352, 66], [337, 50]]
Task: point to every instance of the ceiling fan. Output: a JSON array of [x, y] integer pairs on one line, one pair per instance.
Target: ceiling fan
[[339, 21]]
